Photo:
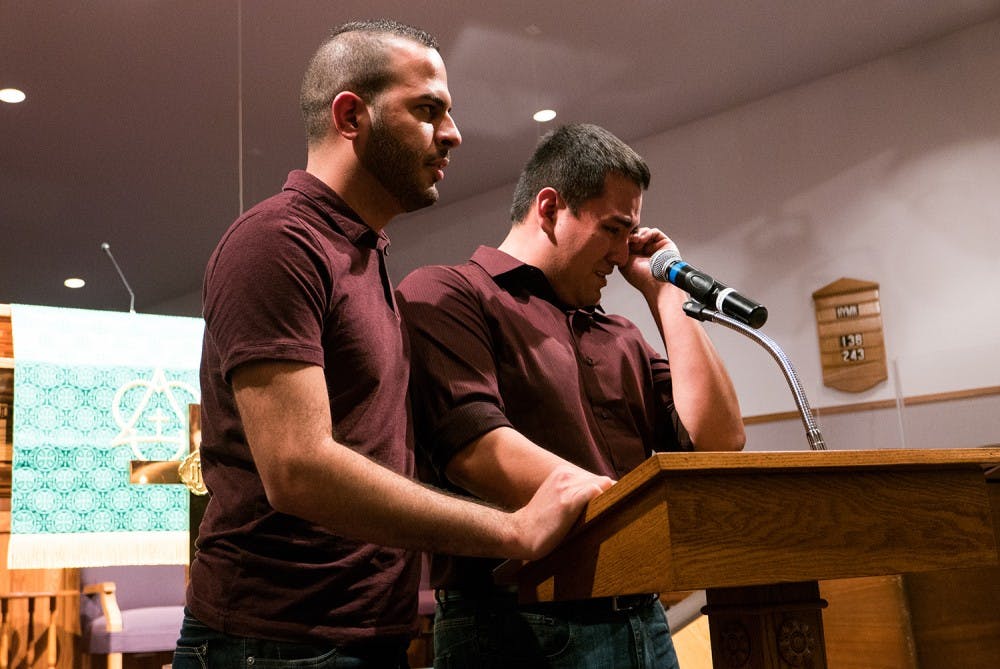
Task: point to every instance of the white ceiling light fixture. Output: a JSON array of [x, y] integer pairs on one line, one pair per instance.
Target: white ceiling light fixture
[[544, 115], [74, 282], [12, 95]]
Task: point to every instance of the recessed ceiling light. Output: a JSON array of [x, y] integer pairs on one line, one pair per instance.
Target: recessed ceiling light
[[544, 115], [74, 283], [12, 95]]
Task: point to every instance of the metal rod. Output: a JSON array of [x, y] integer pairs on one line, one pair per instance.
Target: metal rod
[[131, 304], [700, 312]]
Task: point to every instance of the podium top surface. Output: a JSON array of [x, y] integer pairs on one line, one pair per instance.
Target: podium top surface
[[666, 464], [686, 521]]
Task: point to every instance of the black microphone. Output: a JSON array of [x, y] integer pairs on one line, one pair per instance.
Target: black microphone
[[666, 265]]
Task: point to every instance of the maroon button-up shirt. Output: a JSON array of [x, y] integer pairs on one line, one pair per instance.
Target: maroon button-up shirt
[[492, 346]]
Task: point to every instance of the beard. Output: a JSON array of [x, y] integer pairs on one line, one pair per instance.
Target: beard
[[398, 168]]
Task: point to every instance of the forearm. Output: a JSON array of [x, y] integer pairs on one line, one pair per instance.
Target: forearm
[[306, 473], [704, 395], [352, 496], [503, 467], [358, 498]]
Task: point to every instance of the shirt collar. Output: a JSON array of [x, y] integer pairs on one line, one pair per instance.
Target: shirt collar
[[335, 210], [514, 275]]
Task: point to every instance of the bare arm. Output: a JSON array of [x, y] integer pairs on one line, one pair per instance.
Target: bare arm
[[506, 468], [704, 395], [308, 474]]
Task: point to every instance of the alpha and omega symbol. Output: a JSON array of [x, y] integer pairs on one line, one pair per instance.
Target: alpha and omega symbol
[[158, 419]]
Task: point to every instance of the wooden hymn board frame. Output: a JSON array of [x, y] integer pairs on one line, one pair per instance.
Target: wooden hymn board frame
[[851, 342]]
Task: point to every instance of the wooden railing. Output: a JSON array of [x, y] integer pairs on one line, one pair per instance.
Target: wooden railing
[[8, 633]]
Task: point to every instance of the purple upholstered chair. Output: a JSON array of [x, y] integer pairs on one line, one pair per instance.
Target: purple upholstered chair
[[133, 609]]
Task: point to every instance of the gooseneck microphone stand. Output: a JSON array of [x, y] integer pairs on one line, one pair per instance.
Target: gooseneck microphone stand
[[700, 312]]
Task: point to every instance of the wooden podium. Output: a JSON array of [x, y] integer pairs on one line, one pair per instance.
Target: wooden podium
[[758, 530]]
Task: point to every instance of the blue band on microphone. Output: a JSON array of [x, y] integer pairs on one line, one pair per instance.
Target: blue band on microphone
[[676, 267]]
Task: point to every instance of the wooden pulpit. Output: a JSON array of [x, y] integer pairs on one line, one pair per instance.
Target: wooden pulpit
[[757, 531]]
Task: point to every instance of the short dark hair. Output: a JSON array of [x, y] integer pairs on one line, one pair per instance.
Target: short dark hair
[[575, 160], [353, 58]]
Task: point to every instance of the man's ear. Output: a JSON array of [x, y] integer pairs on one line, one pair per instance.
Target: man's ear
[[347, 113], [548, 202]]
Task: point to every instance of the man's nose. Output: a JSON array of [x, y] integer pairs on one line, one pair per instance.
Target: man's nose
[[618, 255], [448, 133]]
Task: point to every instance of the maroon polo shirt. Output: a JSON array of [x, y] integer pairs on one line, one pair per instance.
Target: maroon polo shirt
[[492, 346], [301, 278]]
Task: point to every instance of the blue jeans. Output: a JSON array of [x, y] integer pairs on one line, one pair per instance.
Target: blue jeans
[[200, 647], [495, 632]]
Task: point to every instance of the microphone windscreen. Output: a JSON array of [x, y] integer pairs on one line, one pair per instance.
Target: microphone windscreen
[[660, 261]]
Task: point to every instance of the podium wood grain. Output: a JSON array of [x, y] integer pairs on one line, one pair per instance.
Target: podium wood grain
[[736, 524]]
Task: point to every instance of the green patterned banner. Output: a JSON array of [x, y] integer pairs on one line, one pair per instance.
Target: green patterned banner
[[92, 391]]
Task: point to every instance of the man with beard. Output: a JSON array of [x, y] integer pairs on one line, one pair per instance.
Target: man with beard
[[306, 442]]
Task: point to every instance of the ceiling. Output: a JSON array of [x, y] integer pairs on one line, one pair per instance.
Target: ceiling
[[149, 124]]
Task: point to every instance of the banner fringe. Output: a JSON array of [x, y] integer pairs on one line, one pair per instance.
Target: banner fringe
[[96, 549]]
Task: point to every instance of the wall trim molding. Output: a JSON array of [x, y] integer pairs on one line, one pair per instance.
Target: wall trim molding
[[876, 405]]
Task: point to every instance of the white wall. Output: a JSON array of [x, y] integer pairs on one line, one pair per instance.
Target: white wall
[[888, 172]]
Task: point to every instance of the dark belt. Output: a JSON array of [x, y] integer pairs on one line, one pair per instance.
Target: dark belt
[[617, 604]]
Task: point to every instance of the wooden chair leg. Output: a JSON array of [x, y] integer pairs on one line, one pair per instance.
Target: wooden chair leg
[[4, 636], [30, 638], [50, 641]]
